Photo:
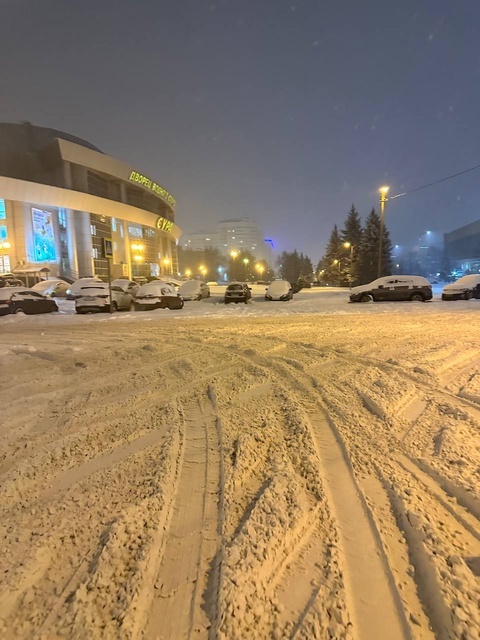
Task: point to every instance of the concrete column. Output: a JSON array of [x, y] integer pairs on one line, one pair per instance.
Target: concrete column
[[71, 243], [83, 244]]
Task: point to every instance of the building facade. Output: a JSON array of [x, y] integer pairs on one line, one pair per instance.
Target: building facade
[[61, 198], [462, 248]]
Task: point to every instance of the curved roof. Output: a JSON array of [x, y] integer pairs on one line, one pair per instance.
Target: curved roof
[[26, 137]]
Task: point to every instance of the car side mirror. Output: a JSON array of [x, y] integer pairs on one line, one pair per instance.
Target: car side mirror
[[380, 286]]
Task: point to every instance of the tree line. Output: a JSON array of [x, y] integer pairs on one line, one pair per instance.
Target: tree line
[[351, 255], [350, 258]]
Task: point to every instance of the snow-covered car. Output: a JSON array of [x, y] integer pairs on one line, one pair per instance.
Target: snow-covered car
[[194, 290], [279, 290], [157, 295], [237, 292], [463, 289], [73, 289], [127, 285], [393, 288], [23, 300], [96, 297], [52, 288]]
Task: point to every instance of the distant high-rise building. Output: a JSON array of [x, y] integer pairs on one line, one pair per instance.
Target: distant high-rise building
[[237, 234]]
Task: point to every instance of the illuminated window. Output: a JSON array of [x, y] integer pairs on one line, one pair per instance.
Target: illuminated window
[[114, 224], [3, 232], [95, 252], [3, 213], [121, 230], [93, 230], [62, 218], [135, 232]]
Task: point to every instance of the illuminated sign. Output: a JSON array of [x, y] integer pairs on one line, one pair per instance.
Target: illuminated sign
[[152, 186], [43, 236], [164, 225]]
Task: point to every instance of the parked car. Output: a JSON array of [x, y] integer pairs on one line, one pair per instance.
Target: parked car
[[390, 288], [7, 281], [95, 296], [52, 288], [74, 289], [463, 289], [194, 290], [237, 292], [127, 285], [140, 279], [23, 300], [279, 290], [157, 295]]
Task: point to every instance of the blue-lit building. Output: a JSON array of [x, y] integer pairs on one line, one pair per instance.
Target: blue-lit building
[[60, 197], [462, 248]]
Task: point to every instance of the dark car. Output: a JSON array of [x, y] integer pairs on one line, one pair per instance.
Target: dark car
[[23, 300], [393, 288], [238, 292], [463, 289], [157, 295]]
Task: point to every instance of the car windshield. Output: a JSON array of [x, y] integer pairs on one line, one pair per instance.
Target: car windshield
[[235, 287], [190, 286]]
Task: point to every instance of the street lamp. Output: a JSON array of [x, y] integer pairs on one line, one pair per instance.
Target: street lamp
[[188, 272], [166, 262], [233, 254], [4, 247], [383, 199], [245, 262]]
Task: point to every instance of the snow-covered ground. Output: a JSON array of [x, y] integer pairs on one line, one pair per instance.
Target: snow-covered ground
[[305, 469]]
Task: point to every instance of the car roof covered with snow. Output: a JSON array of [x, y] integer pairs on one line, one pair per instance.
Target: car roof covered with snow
[[156, 287], [190, 286], [465, 282], [279, 286], [417, 281]]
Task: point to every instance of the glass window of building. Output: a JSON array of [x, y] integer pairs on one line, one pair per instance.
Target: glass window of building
[[3, 213], [62, 218], [3, 232]]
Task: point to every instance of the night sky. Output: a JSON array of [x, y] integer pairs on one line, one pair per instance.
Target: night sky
[[283, 111]]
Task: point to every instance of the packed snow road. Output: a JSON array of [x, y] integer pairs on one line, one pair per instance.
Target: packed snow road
[[306, 476]]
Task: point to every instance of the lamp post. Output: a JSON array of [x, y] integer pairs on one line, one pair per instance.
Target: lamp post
[[188, 272], [349, 245], [245, 262], [260, 268], [383, 199], [4, 247]]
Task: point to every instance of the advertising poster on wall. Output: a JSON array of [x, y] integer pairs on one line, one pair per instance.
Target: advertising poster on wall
[[43, 236]]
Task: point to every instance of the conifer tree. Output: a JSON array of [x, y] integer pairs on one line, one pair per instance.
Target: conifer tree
[[370, 247], [329, 267], [351, 236]]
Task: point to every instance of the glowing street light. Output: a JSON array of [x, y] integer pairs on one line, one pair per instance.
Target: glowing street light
[[383, 199], [137, 247], [233, 254], [188, 272], [245, 262]]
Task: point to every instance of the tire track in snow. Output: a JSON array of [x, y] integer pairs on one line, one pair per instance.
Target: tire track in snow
[[181, 607], [370, 590]]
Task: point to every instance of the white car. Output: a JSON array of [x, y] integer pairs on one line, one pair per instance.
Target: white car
[[194, 290], [78, 284], [157, 295], [52, 288], [96, 297], [127, 285], [393, 288], [463, 289], [279, 290]]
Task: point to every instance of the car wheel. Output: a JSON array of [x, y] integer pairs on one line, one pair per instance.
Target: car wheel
[[467, 295], [417, 297], [199, 297], [19, 310], [132, 306], [114, 307], [366, 297], [208, 294]]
